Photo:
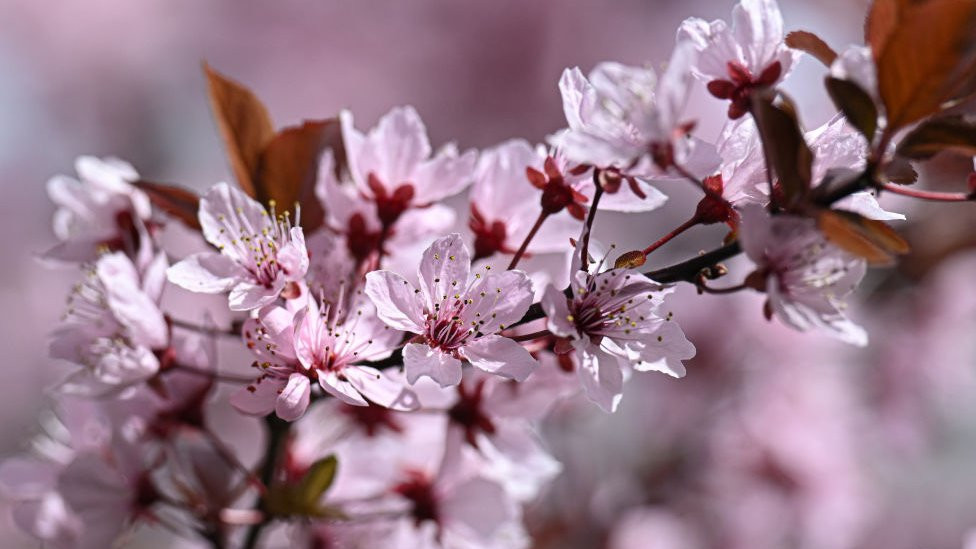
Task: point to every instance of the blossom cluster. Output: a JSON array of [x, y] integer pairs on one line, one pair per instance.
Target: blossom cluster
[[402, 350]]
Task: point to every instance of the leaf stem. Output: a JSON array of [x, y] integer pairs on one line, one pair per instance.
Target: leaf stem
[[934, 196]]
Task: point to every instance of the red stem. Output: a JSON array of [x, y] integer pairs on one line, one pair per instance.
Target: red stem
[[528, 238], [926, 195], [666, 238]]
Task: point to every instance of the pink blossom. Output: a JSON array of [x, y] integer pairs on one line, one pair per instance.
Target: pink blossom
[[260, 255], [749, 55], [622, 117], [505, 204], [839, 151], [324, 346], [457, 318], [357, 218], [81, 492], [113, 327], [99, 211], [392, 165], [612, 322], [805, 277]]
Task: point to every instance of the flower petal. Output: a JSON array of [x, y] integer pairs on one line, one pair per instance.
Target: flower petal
[[206, 272], [444, 269], [396, 300], [294, 398], [601, 378], [421, 360], [500, 356], [259, 398]]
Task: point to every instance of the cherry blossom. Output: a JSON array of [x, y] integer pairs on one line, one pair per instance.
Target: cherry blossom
[[456, 318], [325, 346], [259, 256], [100, 211], [504, 205], [392, 164], [113, 327], [750, 55], [612, 322], [356, 216], [622, 117], [805, 277]]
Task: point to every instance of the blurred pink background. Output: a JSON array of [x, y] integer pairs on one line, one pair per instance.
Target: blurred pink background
[[109, 77]]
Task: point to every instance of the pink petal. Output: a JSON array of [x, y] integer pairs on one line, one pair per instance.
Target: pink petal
[[399, 144], [259, 398], [556, 307], [247, 296], [294, 399], [444, 175], [206, 272], [498, 300], [479, 504], [381, 389], [601, 378], [293, 256], [444, 269], [500, 356], [396, 300], [133, 308], [341, 388], [420, 360]]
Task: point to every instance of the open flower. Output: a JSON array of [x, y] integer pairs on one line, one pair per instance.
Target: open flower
[[324, 346], [505, 203], [392, 164], [456, 318], [99, 211], [750, 55], [623, 118], [259, 254], [805, 276], [113, 327], [612, 322]]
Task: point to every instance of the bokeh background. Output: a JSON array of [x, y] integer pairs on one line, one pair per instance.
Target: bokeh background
[[774, 439]]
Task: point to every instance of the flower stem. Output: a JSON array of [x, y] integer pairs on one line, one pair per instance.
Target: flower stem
[[528, 238], [730, 290], [927, 195], [597, 193], [278, 430], [667, 238], [530, 337], [207, 330]]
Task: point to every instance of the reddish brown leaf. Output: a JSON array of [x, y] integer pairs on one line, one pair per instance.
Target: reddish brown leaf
[[939, 134], [925, 52], [783, 141], [244, 125], [288, 168], [873, 240], [813, 45], [178, 202], [900, 170], [856, 104]]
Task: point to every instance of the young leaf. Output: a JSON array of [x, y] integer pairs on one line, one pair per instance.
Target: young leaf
[[924, 53], [317, 480], [783, 143], [812, 44], [178, 202], [899, 170], [950, 133], [870, 239], [856, 104], [244, 125], [288, 167]]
